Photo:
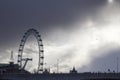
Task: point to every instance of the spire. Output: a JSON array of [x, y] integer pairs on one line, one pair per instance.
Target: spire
[[73, 70], [11, 58]]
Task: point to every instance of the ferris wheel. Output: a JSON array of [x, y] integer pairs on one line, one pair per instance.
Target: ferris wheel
[[22, 60]]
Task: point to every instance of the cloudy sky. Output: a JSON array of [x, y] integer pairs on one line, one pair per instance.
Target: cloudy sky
[[80, 33]]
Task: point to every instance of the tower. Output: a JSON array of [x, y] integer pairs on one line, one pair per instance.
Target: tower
[[11, 58]]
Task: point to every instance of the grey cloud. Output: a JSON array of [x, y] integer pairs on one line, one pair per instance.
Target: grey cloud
[[104, 62], [30, 51], [18, 16], [68, 54], [44, 15]]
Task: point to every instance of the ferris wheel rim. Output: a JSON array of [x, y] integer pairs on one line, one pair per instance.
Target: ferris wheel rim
[[40, 46]]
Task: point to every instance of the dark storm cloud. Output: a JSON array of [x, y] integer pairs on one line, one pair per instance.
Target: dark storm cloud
[[18, 16], [44, 12]]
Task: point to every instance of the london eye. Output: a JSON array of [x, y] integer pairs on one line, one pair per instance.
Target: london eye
[[22, 60]]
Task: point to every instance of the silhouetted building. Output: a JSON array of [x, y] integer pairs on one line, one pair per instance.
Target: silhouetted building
[[73, 70], [9, 68]]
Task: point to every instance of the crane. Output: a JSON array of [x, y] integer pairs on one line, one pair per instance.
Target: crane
[[26, 60]]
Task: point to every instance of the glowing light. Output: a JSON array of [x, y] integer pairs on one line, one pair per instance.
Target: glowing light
[[110, 1]]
